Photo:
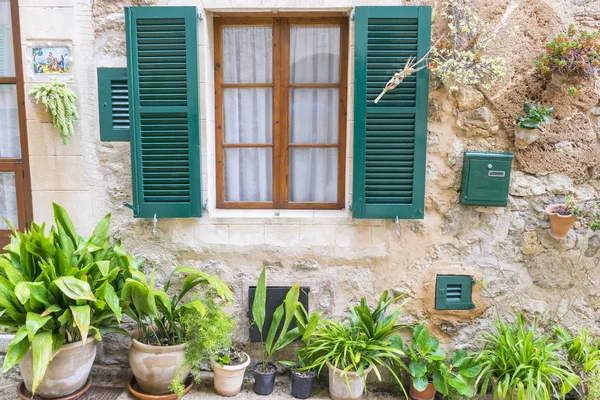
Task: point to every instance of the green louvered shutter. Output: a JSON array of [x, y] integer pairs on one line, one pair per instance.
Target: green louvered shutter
[[390, 137], [113, 101], [162, 59]]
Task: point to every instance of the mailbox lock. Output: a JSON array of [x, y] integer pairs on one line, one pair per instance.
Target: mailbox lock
[[490, 166]]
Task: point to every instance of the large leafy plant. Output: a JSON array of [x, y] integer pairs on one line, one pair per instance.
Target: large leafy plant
[[524, 362], [427, 362], [535, 116], [59, 288], [285, 312], [367, 339]]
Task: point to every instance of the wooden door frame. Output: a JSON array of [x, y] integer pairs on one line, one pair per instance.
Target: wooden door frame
[[19, 165]]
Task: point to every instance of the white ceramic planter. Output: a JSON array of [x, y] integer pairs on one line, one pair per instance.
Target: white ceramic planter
[[155, 367], [349, 386], [524, 137], [229, 378], [67, 372]]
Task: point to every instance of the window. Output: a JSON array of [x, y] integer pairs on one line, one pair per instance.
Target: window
[[15, 197], [280, 91]]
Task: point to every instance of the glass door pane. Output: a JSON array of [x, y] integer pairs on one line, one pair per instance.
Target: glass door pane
[[8, 199], [7, 61], [10, 139]]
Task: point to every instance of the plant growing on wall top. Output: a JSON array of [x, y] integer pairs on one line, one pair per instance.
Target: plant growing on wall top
[[571, 54], [60, 101], [460, 56]]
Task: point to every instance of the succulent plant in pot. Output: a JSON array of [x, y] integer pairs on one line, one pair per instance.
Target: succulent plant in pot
[[59, 293], [562, 217], [367, 341], [264, 371], [529, 127], [429, 372], [159, 343]]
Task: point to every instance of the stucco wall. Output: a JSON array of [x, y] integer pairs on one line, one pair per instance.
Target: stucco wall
[[508, 250]]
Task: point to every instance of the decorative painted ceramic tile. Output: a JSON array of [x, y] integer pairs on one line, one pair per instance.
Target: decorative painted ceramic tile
[[51, 60]]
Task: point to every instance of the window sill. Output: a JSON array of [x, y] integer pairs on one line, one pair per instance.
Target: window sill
[[278, 214]]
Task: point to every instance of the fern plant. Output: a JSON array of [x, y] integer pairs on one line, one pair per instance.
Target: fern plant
[[60, 101]]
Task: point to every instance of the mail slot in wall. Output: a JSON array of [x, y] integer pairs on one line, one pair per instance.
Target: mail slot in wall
[[485, 179]]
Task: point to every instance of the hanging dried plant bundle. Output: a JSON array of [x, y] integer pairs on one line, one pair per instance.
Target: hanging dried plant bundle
[[411, 67]]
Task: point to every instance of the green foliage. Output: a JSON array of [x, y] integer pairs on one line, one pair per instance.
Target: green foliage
[[367, 339], [459, 57], [535, 116], [208, 335], [285, 312], [571, 54], [593, 385], [583, 353], [427, 364], [306, 326], [59, 288], [159, 316], [523, 362], [60, 100], [589, 213]]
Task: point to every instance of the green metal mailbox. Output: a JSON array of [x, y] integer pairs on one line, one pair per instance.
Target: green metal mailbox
[[485, 179]]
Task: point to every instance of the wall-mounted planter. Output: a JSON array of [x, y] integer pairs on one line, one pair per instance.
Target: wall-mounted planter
[[560, 220], [524, 137]]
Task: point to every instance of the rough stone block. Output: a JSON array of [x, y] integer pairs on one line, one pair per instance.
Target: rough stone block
[[282, 235], [247, 234]]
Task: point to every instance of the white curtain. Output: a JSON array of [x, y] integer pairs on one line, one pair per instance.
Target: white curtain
[[247, 58], [10, 146], [314, 58], [7, 64]]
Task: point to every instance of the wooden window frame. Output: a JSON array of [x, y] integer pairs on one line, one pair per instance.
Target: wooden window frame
[[281, 86], [20, 166]]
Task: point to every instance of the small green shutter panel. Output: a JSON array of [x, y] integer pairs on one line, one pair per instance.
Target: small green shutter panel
[[390, 137], [454, 292], [113, 100], [162, 59]]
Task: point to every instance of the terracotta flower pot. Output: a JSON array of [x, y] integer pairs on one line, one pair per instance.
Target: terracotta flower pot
[[229, 378], [427, 394], [155, 367], [67, 372], [559, 224], [524, 137], [349, 386]]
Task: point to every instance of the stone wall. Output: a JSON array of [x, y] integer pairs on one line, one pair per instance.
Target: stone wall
[[517, 264]]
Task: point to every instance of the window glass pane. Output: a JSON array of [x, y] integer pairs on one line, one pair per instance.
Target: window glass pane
[[314, 174], [314, 54], [314, 115], [8, 199], [248, 174], [7, 56], [10, 140], [247, 54], [248, 115]]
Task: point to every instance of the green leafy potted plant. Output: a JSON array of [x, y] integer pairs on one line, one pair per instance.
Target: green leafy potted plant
[[523, 363], [301, 373], [229, 366], [562, 217], [158, 351], [529, 127], [60, 102], [584, 356], [430, 374], [59, 293], [264, 371], [368, 341]]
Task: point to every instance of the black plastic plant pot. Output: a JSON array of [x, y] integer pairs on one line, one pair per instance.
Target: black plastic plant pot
[[302, 385], [264, 382]]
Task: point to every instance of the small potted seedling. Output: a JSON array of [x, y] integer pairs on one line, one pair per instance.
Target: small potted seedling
[[301, 373], [529, 127], [229, 366], [562, 217]]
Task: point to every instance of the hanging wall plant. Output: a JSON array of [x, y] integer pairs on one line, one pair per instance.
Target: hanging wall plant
[[459, 57], [60, 102]]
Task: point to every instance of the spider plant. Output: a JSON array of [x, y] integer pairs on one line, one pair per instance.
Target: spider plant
[[583, 353], [367, 339], [523, 363]]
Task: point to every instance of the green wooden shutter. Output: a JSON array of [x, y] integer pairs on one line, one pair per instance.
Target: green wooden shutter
[[454, 292], [113, 100], [390, 137], [162, 59]]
